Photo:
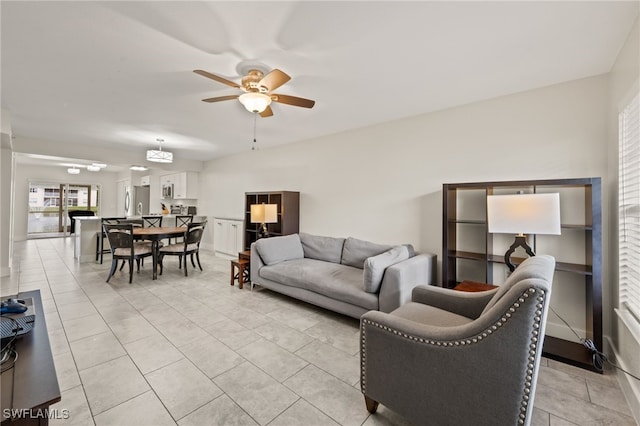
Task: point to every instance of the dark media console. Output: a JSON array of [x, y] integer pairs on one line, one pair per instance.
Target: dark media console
[[17, 321], [31, 385]]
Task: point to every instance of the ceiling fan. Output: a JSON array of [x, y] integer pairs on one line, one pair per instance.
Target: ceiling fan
[[258, 91]]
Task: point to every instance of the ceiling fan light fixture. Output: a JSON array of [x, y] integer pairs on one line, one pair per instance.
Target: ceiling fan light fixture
[[158, 155], [255, 101]]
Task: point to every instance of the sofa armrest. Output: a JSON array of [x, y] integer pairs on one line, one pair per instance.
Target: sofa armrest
[[463, 303], [400, 279], [256, 264]]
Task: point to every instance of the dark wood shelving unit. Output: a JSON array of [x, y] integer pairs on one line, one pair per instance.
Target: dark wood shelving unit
[[464, 223], [288, 214]]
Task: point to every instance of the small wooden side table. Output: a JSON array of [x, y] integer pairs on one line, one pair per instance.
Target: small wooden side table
[[246, 255], [242, 264]]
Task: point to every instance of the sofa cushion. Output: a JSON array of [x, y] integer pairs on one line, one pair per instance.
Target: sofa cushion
[[356, 251], [333, 280], [375, 266], [278, 249], [412, 251], [328, 249]]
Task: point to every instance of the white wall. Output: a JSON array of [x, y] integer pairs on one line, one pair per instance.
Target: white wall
[[25, 173], [383, 183], [624, 83], [6, 165]]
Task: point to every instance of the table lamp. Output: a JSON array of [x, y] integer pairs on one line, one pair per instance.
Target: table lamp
[[263, 214], [523, 214]]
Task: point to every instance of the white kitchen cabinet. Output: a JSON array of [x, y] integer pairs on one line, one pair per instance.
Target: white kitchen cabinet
[[185, 185], [227, 237], [145, 180]]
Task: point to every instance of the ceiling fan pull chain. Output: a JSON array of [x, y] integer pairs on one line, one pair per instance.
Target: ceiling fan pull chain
[[255, 146]]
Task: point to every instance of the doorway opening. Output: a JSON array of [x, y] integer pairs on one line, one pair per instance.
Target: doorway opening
[[51, 202]]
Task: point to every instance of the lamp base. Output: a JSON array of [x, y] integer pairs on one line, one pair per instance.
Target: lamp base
[[521, 241], [263, 232]]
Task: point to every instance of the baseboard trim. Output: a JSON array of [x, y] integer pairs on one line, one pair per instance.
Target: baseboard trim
[[628, 384], [225, 256]]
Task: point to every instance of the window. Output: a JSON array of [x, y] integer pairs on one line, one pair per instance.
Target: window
[[629, 207]]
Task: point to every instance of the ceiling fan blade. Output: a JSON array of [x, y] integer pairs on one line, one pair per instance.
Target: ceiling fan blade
[[293, 100], [221, 98], [274, 79], [217, 78], [268, 112]]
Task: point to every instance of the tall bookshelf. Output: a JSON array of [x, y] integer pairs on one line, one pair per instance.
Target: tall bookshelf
[[288, 203], [470, 252]]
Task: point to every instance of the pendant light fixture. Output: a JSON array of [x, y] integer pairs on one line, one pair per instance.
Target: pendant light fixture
[[73, 171], [159, 156]]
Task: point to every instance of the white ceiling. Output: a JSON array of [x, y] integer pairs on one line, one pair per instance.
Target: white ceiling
[[119, 74]]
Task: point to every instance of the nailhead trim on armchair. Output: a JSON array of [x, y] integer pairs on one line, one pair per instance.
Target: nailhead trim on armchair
[[533, 346]]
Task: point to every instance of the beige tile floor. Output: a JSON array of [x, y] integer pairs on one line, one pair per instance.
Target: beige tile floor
[[196, 351]]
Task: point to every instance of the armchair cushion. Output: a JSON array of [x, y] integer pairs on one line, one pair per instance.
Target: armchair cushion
[[467, 304], [426, 314]]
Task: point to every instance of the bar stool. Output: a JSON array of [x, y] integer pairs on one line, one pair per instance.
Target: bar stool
[[242, 265]]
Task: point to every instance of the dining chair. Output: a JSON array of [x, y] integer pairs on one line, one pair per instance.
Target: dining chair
[[100, 250], [152, 221], [189, 247], [182, 220], [123, 247], [134, 222]]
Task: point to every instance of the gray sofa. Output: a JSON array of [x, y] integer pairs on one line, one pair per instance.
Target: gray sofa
[[346, 275]]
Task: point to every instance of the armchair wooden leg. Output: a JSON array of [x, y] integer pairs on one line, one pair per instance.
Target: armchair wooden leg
[[372, 405]]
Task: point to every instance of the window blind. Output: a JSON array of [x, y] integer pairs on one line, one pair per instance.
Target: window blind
[[629, 207]]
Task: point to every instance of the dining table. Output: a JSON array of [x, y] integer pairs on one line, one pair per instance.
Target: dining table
[[155, 234]]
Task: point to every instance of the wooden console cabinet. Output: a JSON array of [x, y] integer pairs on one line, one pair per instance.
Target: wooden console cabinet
[[470, 252], [31, 385], [288, 214]]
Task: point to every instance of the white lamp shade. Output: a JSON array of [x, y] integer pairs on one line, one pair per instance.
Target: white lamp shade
[[270, 213], [158, 156], [524, 214], [264, 213], [254, 101]]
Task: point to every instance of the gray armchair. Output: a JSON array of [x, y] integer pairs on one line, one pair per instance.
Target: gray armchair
[[456, 358]]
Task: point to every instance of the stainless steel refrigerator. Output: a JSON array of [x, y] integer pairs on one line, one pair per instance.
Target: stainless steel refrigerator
[[136, 201]]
